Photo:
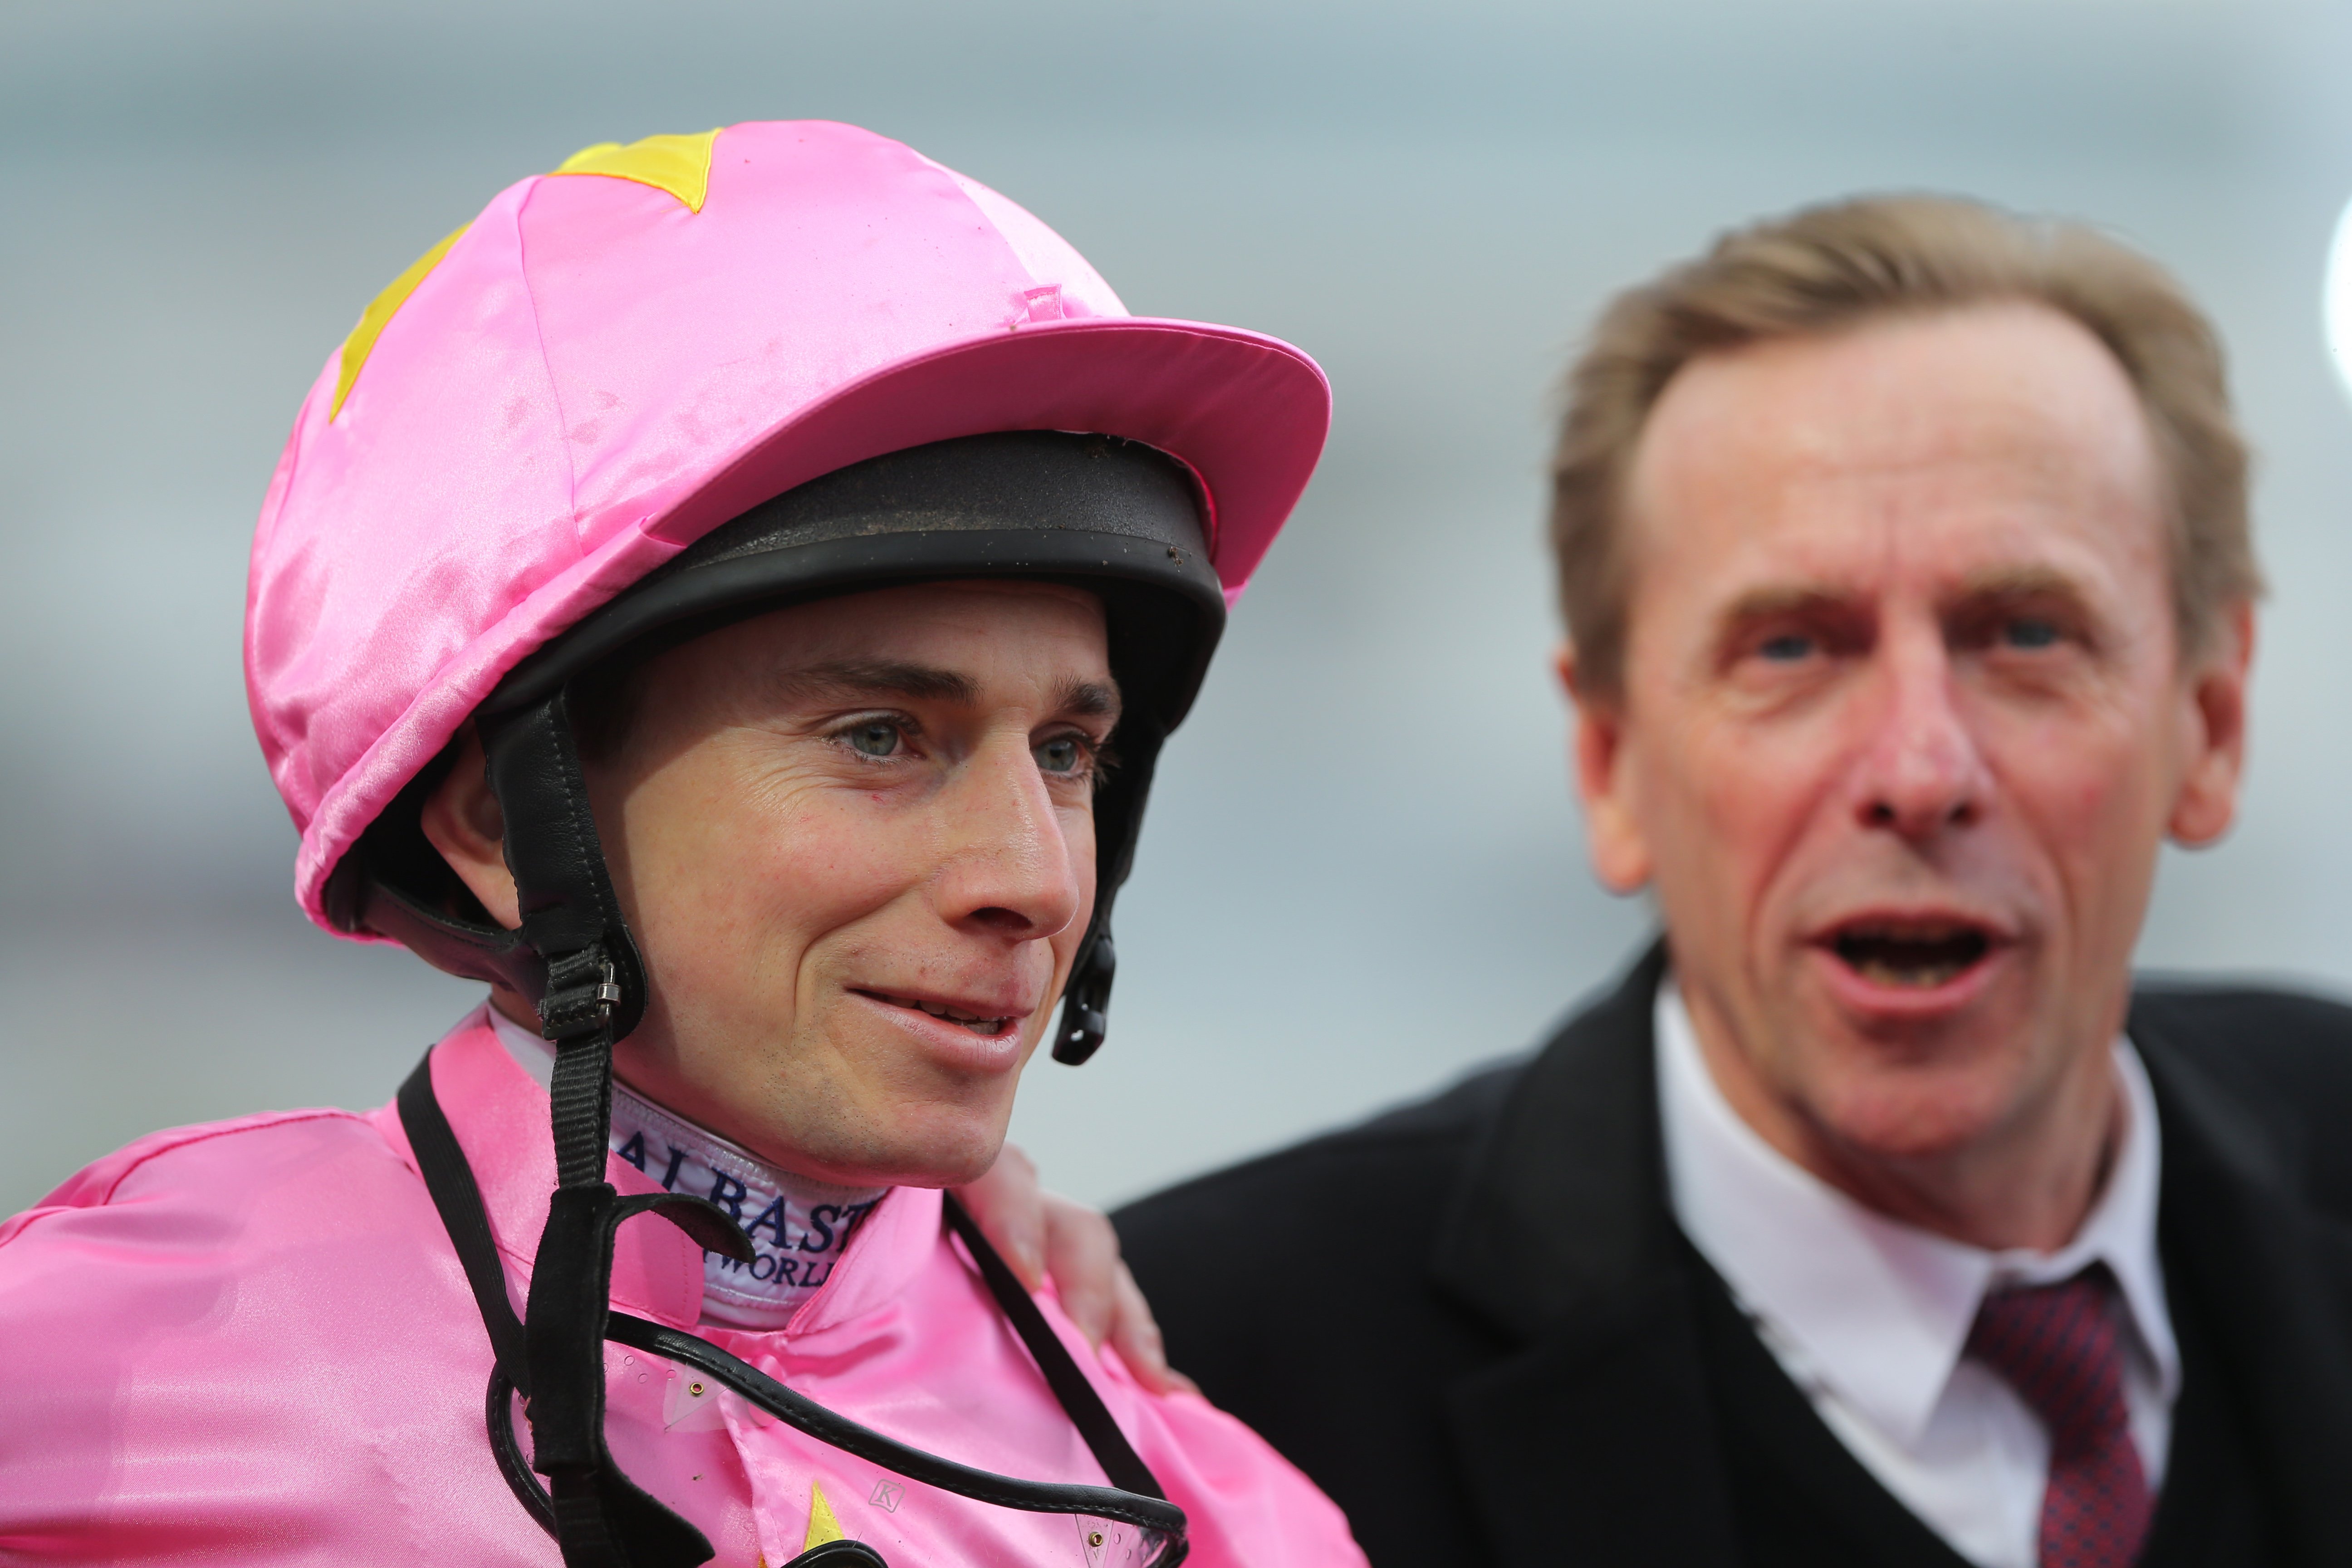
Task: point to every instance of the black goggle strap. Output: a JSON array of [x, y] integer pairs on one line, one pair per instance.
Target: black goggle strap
[[1135, 1497]]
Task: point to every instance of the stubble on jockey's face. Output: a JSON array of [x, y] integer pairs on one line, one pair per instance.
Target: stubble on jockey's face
[[854, 841]]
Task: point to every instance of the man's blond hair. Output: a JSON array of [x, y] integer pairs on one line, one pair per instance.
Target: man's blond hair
[[1828, 268]]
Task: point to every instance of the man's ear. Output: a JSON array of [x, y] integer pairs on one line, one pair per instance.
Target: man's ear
[[462, 820], [1612, 832], [2216, 740]]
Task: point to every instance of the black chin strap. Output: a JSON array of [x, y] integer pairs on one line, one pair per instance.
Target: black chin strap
[[595, 994], [603, 1520], [600, 1524]]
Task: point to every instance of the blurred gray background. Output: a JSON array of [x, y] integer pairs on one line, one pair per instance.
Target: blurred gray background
[[1363, 872]]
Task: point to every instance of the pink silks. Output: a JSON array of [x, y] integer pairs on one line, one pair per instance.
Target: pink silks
[[253, 1341]]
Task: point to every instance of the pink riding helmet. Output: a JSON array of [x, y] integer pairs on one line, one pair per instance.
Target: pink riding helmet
[[612, 360]]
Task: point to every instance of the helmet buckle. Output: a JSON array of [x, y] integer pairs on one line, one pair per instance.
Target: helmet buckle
[[583, 989]]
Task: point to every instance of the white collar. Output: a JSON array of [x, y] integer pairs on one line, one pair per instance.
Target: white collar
[[1876, 1309], [800, 1228]]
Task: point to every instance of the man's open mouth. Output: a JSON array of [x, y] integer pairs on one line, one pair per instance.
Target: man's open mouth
[[975, 1022], [1918, 956]]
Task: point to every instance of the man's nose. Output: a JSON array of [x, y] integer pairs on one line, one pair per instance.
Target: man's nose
[[1922, 770], [1010, 867]]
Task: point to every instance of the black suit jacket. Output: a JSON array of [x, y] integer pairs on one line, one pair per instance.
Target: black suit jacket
[[1475, 1323]]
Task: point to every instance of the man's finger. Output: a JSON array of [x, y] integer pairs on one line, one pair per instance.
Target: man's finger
[[1082, 1255], [1041, 1233], [1135, 1334], [1009, 1206]]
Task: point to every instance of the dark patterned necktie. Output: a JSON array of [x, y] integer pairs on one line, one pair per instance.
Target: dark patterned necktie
[[2060, 1346]]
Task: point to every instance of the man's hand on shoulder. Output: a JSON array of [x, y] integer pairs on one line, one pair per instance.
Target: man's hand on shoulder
[[1044, 1234]]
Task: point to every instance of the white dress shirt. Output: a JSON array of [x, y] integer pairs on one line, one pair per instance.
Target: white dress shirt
[[1869, 1315]]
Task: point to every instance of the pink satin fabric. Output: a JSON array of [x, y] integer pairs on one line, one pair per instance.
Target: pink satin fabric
[[252, 1342]]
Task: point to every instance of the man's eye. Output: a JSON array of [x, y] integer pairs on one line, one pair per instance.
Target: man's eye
[[1786, 649], [876, 738], [2026, 632], [1067, 754]]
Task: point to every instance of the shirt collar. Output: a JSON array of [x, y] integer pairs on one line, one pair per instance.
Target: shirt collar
[[801, 1228], [1876, 1309]]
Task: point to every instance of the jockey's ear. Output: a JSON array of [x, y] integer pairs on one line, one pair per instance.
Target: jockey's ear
[[461, 819]]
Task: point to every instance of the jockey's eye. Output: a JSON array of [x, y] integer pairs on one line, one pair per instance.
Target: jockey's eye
[[874, 738]]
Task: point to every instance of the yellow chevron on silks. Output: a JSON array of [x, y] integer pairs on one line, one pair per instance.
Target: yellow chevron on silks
[[822, 1526], [678, 165]]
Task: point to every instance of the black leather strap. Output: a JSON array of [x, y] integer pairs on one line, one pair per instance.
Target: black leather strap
[[570, 915], [577, 1509], [839, 1554], [1150, 1511], [592, 995], [564, 1316], [498, 1415], [603, 1519], [600, 1517], [450, 1182], [1112, 1451]]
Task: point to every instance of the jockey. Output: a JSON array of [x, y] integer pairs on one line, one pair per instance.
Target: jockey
[[729, 598]]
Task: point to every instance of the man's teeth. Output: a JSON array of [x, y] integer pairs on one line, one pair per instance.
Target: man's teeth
[[1913, 959], [1924, 976], [977, 1026]]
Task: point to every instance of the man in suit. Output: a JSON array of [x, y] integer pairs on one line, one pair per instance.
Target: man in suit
[[1876, 1216]]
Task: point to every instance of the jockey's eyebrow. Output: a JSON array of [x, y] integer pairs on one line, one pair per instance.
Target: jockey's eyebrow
[[864, 678], [1088, 699], [861, 679]]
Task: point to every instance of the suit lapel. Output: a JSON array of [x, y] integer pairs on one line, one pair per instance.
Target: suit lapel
[[1595, 1441], [2270, 1281]]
